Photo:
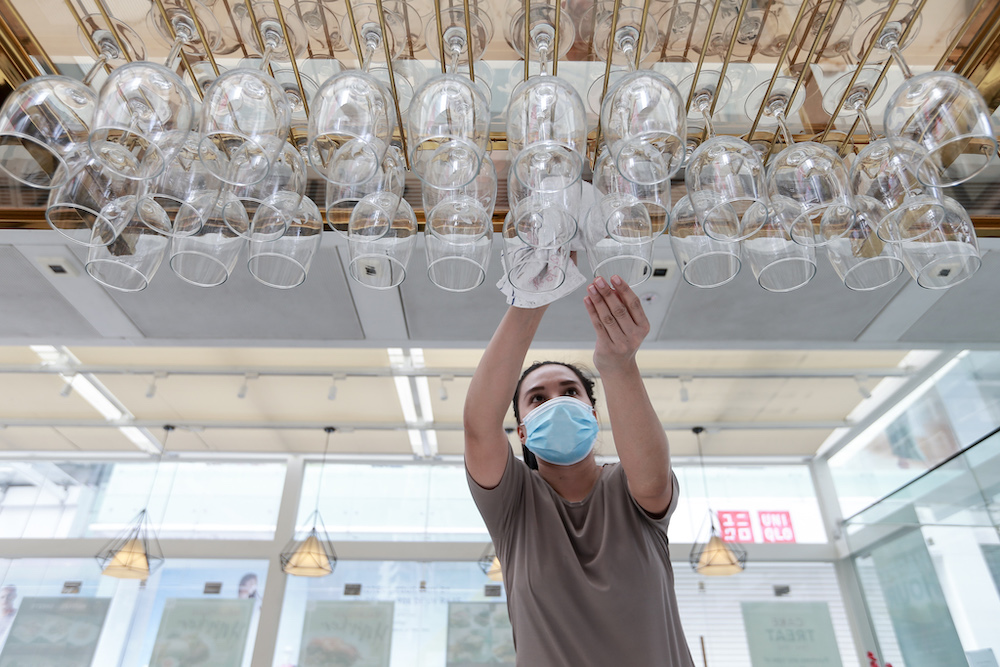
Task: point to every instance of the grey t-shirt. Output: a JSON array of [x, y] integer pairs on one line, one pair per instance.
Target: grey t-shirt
[[589, 583]]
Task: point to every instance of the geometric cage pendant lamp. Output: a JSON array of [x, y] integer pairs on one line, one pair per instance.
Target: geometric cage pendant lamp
[[135, 553], [312, 556], [714, 557]]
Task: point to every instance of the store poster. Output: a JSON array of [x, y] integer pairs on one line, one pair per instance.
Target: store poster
[[346, 634], [202, 633], [479, 634], [790, 634], [917, 607], [55, 632]]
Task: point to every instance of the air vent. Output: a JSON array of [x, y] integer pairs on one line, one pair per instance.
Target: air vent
[[213, 587], [352, 589], [492, 590], [71, 587], [781, 591]]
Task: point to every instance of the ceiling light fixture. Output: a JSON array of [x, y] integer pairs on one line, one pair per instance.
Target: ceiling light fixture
[[685, 380], [314, 555], [489, 563], [715, 556], [862, 381], [135, 553], [245, 387]]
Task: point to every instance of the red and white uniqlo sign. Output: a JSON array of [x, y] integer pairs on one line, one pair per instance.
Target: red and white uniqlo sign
[[736, 526], [776, 526]]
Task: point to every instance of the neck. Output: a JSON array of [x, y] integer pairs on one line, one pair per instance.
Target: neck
[[572, 482]]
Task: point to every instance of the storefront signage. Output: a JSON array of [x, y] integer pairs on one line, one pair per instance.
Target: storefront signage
[[338, 632], [776, 526], [55, 632], [790, 634], [479, 634], [202, 632]]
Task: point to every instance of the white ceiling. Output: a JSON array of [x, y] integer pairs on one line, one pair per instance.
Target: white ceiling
[[757, 360]]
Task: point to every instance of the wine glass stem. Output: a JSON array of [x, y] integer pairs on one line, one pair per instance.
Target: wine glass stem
[[366, 59], [629, 51], [897, 54], [175, 50], [866, 121], [455, 55], [704, 106], [101, 62], [265, 60], [783, 126]]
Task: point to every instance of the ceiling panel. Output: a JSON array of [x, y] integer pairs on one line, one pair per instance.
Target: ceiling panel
[[296, 441], [268, 398], [961, 314], [435, 315], [99, 439], [231, 357], [18, 356], [772, 442], [35, 440], [242, 309], [30, 307], [823, 310], [37, 396]]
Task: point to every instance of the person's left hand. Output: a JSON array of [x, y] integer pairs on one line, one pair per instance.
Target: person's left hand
[[619, 321]]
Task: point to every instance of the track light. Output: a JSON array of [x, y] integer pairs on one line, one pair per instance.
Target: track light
[[245, 387], [332, 394], [443, 394], [151, 391], [66, 390], [685, 396], [862, 381]]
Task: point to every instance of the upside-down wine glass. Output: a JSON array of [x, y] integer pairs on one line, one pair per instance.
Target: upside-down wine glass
[[942, 112], [808, 173], [727, 170]]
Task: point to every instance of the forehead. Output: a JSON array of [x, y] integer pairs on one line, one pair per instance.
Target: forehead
[[549, 374]]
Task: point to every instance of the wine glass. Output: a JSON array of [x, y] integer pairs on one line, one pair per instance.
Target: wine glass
[[44, 129], [809, 173], [143, 115], [863, 261], [341, 199], [704, 261], [618, 237], [207, 258], [245, 119], [942, 112], [177, 26], [381, 236], [727, 167], [92, 204], [273, 202], [283, 263], [462, 215], [778, 263], [656, 197], [186, 191], [644, 121], [131, 261]]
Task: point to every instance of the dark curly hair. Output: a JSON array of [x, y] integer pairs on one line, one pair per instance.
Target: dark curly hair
[[585, 380]]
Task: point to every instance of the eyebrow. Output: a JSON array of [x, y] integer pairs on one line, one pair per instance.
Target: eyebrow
[[562, 383]]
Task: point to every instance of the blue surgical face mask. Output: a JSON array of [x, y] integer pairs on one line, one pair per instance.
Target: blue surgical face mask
[[561, 430]]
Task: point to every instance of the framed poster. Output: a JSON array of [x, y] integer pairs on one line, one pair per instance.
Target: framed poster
[[479, 634], [790, 634], [337, 633], [202, 633], [55, 632]]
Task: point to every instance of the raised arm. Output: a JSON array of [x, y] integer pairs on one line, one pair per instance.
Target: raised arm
[[621, 326], [491, 391]]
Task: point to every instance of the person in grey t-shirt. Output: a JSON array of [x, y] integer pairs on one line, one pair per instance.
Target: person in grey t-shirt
[[582, 547]]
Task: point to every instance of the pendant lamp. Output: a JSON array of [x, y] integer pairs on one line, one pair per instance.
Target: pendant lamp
[[489, 563], [313, 556], [714, 557], [135, 553]]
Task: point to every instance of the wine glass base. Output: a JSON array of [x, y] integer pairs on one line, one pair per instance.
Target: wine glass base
[[864, 89], [782, 90]]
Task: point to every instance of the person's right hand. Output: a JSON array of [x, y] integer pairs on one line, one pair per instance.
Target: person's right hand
[[619, 321]]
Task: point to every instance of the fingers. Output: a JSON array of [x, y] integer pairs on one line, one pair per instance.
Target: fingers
[[601, 315], [631, 301], [616, 304]]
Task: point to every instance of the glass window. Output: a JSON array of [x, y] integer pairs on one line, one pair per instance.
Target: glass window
[[432, 502], [185, 499], [961, 407], [440, 610]]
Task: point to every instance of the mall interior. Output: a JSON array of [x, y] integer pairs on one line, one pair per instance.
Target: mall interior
[[267, 393]]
